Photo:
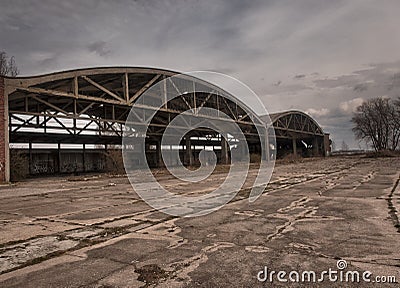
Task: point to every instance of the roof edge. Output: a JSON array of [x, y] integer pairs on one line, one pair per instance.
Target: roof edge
[[91, 69]]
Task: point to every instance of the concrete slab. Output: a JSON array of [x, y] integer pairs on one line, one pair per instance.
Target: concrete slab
[[313, 214]]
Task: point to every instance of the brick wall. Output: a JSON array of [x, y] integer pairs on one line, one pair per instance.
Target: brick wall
[[2, 133]]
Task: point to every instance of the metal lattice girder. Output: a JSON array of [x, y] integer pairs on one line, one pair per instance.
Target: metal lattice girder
[[288, 123], [87, 101]]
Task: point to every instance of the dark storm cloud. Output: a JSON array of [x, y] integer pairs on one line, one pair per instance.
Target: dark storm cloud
[[173, 34], [311, 55]]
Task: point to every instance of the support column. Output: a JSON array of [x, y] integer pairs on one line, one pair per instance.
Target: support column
[[327, 145], [267, 148], [244, 152], [3, 139], [188, 151], [105, 158], [30, 159], [84, 158], [315, 146], [159, 161], [224, 150], [59, 157], [267, 155], [141, 156], [294, 142]]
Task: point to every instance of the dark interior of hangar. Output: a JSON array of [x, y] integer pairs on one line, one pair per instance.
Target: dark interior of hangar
[[70, 121]]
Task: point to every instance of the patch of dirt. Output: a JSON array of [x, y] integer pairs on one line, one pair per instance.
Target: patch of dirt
[[151, 274]]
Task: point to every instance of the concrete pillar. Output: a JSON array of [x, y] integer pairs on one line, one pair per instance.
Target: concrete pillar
[[327, 145], [267, 154], [4, 140], [58, 157], [315, 146], [84, 158], [224, 150], [294, 142], [159, 162], [170, 158], [30, 163], [188, 151]]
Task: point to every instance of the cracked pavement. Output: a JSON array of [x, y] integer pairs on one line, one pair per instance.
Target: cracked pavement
[[94, 231]]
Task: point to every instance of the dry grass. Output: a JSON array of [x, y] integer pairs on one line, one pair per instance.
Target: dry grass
[[383, 153], [290, 158]]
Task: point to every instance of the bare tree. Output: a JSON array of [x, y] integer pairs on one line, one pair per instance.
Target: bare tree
[[396, 124], [377, 122], [8, 66]]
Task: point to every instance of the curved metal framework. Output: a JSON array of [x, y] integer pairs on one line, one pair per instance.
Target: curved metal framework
[[289, 122], [298, 133], [90, 106]]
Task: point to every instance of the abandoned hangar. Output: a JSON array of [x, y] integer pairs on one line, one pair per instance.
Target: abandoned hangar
[[64, 121]]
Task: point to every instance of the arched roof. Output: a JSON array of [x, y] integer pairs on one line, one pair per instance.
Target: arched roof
[[104, 84], [63, 81], [93, 71], [121, 86], [288, 123], [104, 95]]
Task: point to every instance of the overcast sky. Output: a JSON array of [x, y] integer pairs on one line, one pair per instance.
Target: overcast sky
[[320, 56]]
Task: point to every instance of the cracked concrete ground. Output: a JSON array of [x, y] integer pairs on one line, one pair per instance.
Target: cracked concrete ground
[[94, 231]]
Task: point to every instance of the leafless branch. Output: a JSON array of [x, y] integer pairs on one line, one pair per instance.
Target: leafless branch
[[8, 67]]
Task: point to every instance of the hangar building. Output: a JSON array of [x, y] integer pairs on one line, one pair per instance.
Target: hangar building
[[63, 122]]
